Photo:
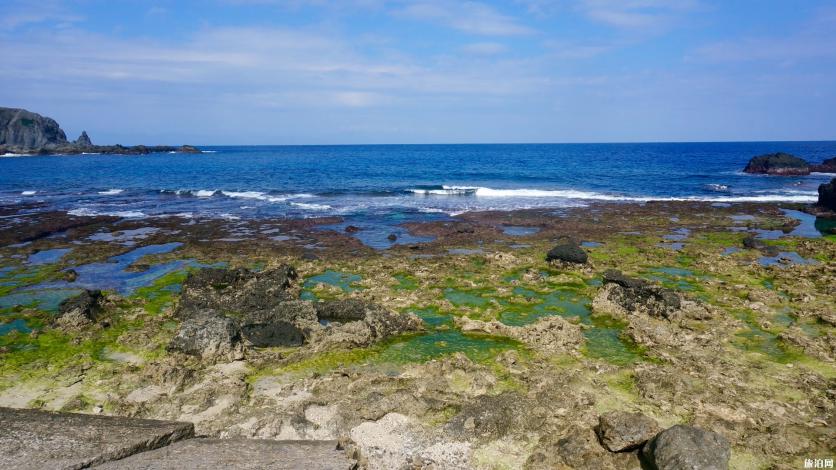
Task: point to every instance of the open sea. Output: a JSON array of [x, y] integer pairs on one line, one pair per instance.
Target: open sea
[[400, 181]]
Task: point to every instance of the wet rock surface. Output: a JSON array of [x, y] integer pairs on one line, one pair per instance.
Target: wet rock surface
[[827, 195], [80, 311], [567, 252], [687, 448], [622, 296]]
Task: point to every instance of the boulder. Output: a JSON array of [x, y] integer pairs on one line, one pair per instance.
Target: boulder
[[352, 229], [827, 195], [687, 448], [620, 431], [84, 140], [341, 310], [208, 335], [780, 163], [621, 296], [392, 237], [79, 311], [827, 166], [567, 252], [287, 324], [235, 292]]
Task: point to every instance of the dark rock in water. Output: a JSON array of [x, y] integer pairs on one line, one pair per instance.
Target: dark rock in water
[[84, 140], [568, 252], [392, 237], [827, 195], [70, 275], [27, 130], [234, 291], [208, 335], [465, 228], [778, 164], [687, 448], [79, 311], [753, 243], [621, 431], [639, 296], [352, 229], [187, 149], [341, 310], [827, 166]]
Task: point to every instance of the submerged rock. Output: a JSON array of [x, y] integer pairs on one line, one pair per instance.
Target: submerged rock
[[80, 311], [567, 252], [827, 195], [621, 431], [780, 163], [687, 448], [827, 166], [209, 336]]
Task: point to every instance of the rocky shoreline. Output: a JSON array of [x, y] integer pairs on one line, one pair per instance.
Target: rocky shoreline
[[23, 132], [607, 336]]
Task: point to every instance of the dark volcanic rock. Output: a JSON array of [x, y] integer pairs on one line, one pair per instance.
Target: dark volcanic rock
[[79, 311], [827, 166], [352, 229], [234, 292], [341, 310], [640, 296], [84, 140], [208, 335], [827, 195], [282, 325], [687, 448], [28, 130], [392, 237], [778, 164], [620, 431], [568, 252]]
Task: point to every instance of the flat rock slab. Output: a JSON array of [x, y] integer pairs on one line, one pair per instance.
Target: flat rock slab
[[34, 439], [240, 454]]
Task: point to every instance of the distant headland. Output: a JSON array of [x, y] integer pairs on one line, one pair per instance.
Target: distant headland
[[23, 132]]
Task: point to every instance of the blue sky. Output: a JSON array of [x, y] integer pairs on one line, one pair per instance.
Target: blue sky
[[423, 71]]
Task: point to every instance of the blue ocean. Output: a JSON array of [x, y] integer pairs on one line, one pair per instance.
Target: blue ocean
[[403, 181]]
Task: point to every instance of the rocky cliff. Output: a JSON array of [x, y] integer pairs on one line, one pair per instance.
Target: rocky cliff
[[28, 133]]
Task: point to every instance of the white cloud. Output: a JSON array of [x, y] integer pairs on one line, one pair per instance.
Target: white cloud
[[466, 16], [484, 48]]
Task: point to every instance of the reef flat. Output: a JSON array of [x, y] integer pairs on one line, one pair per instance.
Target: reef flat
[[466, 350]]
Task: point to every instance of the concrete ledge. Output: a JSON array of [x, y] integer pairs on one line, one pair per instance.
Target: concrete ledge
[[33, 439], [239, 454]]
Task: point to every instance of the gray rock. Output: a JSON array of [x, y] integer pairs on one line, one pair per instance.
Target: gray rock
[[239, 454], [287, 324], [687, 448], [620, 431], [28, 130], [208, 335], [782, 164], [79, 311], [84, 140], [235, 292], [567, 252], [33, 439], [341, 310]]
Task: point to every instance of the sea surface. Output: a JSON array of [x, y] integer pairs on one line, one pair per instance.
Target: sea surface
[[397, 182]]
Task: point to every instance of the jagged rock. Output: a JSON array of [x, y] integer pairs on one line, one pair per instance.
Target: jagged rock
[[392, 237], [209, 336], [827, 195], [352, 229], [687, 448], [827, 166], [341, 310], [621, 296], [27, 130], [70, 275], [620, 431], [235, 292], [780, 163], [550, 334], [79, 311], [567, 252], [84, 140], [287, 324]]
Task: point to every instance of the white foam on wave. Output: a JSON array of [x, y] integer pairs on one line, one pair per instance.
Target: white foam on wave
[[313, 207], [12, 155], [445, 190], [205, 192], [208, 151], [111, 192], [28, 193], [87, 212]]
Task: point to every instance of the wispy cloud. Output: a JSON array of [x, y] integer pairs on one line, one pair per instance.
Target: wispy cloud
[[636, 14], [466, 16]]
